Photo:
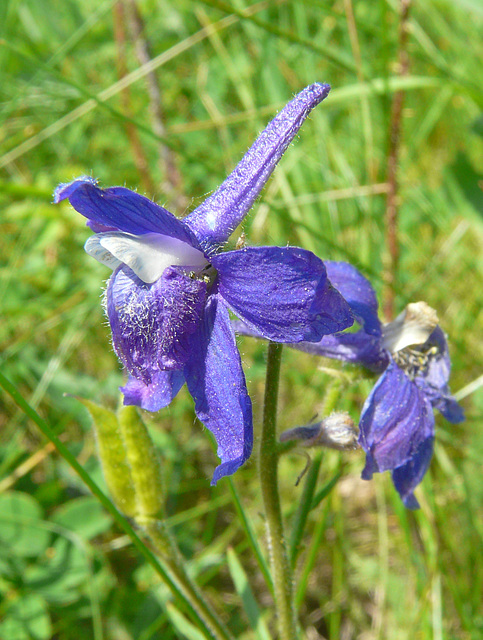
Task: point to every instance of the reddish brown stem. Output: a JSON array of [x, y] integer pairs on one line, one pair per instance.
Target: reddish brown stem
[[172, 183], [392, 200], [140, 158]]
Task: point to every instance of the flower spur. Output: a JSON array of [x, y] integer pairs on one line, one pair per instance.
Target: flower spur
[[167, 300], [396, 428]]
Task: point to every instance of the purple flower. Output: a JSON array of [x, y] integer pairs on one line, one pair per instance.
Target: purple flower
[[411, 354], [168, 298]]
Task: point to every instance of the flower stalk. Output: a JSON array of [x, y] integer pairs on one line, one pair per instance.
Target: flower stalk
[[268, 473]]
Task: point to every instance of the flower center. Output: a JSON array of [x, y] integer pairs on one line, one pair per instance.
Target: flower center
[[415, 360], [208, 274], [407, 338], [147, 255]]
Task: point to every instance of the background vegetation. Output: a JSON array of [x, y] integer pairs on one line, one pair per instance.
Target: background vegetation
[[66, 569]]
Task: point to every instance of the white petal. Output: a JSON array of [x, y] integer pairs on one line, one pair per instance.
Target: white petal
[[94, 248], [412, 327], [147, 255]]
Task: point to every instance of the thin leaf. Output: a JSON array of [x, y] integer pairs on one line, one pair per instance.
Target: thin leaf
[[304, 507], [181, 624], [324, 492], [251, 535], [245, 592]]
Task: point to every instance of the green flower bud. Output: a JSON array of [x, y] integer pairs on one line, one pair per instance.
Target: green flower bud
[[144, 462], [112, 454]]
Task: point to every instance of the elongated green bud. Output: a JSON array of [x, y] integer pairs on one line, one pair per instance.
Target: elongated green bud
[[144, 462], [113, 456]]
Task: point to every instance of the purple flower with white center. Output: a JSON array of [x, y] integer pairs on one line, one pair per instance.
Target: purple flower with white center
[[168, 298], [411, 353]]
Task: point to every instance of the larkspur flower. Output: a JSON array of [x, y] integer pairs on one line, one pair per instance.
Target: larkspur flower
[[396, 428], [168, 298]]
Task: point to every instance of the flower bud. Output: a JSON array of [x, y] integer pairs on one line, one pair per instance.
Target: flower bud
[[144, 462], [112, 454], [336, 431]]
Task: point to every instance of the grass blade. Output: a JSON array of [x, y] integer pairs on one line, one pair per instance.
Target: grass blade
[[245, 592]]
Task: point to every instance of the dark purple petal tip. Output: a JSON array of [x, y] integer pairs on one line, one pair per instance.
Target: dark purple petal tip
[[65, 190], [358, 292], [407, 477], [121, 208], [229, 468], [158, 394]]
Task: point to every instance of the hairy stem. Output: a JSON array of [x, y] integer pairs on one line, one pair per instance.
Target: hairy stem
[[268, 461]]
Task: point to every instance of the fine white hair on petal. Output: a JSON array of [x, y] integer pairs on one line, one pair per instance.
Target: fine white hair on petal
[[147, 255]]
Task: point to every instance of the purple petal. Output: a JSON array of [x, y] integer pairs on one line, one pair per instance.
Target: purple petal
[[407, 477], [215, 220], [281, 292], [122, 209], [151, 323], [448, 406], [358, 292], [156, 395], [434, 380], [215, 380], [395, 420], [356, 348]]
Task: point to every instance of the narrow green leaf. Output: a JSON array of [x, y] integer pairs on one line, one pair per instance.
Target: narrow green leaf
[[245, 592], [251, 535], [303, 509], [181, 624], [324, 492], [328, 52], [379, 86]]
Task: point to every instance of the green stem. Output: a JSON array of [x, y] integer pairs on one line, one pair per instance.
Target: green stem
[[169, 574], [268, 461]]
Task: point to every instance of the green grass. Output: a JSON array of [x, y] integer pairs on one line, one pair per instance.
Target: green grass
[[379, 571]]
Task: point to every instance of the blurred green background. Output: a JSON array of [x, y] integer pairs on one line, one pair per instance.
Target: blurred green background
[[77, 97]]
